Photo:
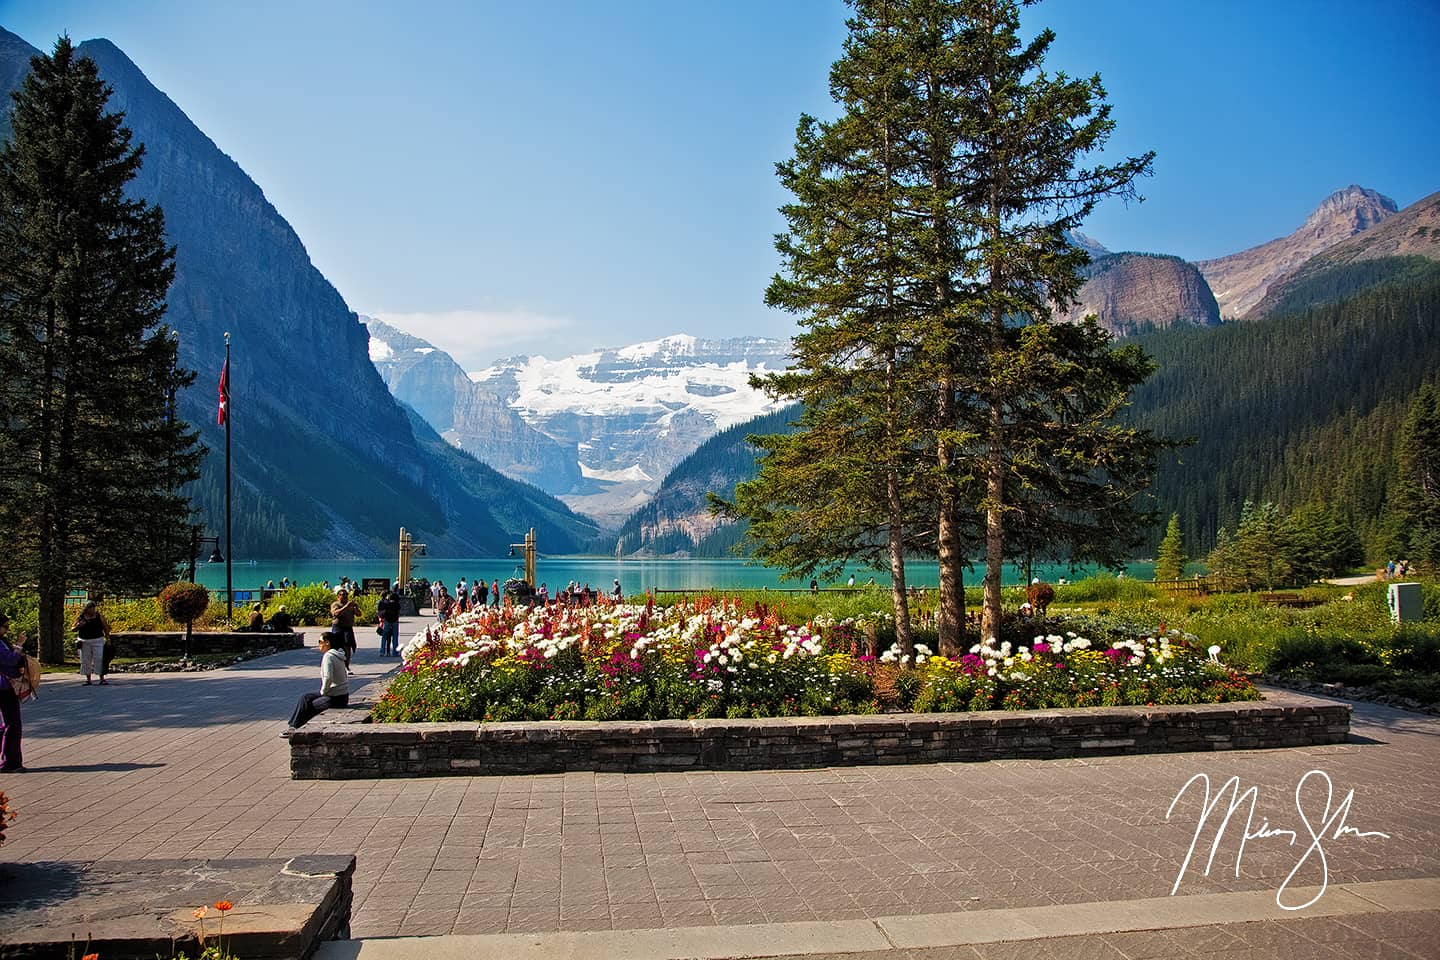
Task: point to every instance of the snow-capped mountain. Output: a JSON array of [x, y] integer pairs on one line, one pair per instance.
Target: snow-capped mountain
[[467, 415], [634, 412]]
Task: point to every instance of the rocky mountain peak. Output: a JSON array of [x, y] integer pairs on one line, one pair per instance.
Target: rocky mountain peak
[[1241, 280], [1352, 209]]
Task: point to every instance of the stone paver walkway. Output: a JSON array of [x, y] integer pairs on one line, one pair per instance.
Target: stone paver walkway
[[191, 765]]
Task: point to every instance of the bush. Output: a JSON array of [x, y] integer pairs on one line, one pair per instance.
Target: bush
[[183, 602], [310, 605]]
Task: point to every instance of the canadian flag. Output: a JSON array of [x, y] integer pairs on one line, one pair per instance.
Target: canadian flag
[[224, 411]]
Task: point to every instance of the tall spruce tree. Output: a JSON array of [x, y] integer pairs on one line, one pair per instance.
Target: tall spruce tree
[[1039, 397], [1170, 561], [927, 242], [95, 457], [841, 484]]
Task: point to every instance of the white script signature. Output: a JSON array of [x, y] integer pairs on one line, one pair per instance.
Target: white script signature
[[1331, 825]]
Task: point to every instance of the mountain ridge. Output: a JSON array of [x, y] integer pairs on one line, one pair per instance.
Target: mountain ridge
[[1240, 280], [325, 460]]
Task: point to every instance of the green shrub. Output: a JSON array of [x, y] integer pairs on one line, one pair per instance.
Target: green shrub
[[183, 602], [1416, 648]]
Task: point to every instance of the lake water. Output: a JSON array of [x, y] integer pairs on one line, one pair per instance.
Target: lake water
[[636, 576]]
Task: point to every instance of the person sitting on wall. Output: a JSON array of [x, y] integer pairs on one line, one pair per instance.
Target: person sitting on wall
[[334, 685], [279, 621], [257, 620]]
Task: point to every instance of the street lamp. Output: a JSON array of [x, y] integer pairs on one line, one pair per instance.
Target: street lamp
[[529, 547], [195, 541]]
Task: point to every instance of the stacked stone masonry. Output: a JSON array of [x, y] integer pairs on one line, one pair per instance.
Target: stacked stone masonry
[[343, 744], [157, 644]]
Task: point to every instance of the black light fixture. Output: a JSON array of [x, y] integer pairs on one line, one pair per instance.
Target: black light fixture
[[196, 540]]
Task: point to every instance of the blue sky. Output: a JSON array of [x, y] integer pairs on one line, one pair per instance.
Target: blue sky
[[548, 177]]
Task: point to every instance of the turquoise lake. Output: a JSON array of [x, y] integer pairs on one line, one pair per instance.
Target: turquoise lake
[[635, 576]]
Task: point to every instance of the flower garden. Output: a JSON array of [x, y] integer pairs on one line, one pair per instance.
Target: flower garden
[[720, 658]]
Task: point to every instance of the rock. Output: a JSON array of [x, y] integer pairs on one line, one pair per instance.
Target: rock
[[1128, 291]]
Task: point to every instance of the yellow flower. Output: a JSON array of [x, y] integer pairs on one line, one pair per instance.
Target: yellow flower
[[198, 913]]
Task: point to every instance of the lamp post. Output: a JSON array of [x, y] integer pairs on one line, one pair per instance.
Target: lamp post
[[195, 541], [408, 548], [529, 547]]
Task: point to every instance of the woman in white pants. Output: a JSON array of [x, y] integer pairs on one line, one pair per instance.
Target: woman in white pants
[[93, 630]]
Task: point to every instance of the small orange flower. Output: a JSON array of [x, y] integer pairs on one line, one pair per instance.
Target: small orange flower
[[91, 956], [223, 905], [198, 913]]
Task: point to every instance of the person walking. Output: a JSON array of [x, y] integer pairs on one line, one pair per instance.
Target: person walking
[[93, 630], [334, 685], [342, 615], [388, 610], [494, 593], [12, 663]]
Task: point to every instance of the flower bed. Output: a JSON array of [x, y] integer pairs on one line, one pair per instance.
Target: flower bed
[[716, 659]]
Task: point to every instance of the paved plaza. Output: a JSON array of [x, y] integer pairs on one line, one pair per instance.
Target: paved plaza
[[191, 766]]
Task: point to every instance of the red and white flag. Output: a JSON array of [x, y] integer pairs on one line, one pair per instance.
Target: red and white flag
[[224, 411]]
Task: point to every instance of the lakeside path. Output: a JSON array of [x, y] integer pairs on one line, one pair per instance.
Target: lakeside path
[[191, 766]]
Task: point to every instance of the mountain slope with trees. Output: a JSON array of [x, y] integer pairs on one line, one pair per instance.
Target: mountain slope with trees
[[1297, 409], [325, 460]]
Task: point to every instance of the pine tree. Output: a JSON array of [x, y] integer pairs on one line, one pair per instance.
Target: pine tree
[[1417, 500], [1027, 405], [1171, 560], [839, 487], [926, 244], [1263, 550], [94, 456]]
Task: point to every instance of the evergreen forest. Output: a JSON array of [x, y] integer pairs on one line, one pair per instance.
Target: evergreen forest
[[1301, 408]]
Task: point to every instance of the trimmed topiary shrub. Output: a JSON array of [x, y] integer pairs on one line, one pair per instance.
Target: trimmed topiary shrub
[[184, 602]]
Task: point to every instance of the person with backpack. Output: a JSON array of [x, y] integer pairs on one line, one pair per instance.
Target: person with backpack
[[388, 612], [13, 664]]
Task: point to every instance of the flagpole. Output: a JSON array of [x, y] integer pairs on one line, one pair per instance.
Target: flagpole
[[229, 550]]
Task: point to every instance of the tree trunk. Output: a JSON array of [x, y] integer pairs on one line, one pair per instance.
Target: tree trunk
[[903, 634], [51, 642], [949, 615], [994, 533]]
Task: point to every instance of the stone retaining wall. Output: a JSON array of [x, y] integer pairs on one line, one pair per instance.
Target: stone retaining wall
[[343, 745], [147, 644]]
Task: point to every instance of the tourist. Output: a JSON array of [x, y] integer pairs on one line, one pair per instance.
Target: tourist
[[443, 606], [494, 593], [388, 611], [12, 664], [435, 589], [814, 586], [334, 687], [615, 594], [257, 620], [851, 581], [279, 621], [342, 615], [93, 630]]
